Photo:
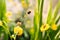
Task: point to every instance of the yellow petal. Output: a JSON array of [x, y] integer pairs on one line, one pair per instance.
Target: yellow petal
[[28, 21], [18, 30], [54, 27], [47, 27], [44, 27], [8, 14], [24, 4]]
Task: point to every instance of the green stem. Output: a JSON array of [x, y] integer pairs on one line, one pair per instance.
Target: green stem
[[6, 29], [48, 36], [15, 37], [40, 18], [10, 37]]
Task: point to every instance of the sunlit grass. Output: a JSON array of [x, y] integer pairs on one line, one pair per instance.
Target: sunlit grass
[[40, 31]]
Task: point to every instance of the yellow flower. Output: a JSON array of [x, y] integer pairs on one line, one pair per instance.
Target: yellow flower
[[54, 27], [25, 16], [44, 27], [1, 23], [8, 14], [28, 21], [24, 4], [18, 30]]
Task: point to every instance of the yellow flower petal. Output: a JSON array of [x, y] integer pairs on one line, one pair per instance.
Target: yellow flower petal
[[18, 30], [54, 27], [47, 27], [24, 4], [44, 27], [28, 21], [8, 14]]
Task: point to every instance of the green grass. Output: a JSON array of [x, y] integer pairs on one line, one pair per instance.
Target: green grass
[[38, 11]]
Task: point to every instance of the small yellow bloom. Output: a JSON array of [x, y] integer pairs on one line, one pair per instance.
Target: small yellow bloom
[[44, 27], [54, 27], [28, 21], [8, 14], [18, 30], [24, 4], [8, 19], [1, 23]]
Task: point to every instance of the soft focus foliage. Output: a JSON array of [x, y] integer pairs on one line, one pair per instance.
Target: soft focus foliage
[[24, 21]]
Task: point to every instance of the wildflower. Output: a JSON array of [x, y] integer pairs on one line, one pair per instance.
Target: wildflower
[[24, 4], [54, 27], [44, 27], [18, 30], [1, 23], [28, 21], [8, 14], [8, 19]]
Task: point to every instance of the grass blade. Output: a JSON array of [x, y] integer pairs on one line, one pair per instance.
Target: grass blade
[[57, 20], [56, 11], [49, 13], [40, 18]]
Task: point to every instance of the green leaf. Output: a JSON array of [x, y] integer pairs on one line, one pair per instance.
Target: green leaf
[[56, 11], [40, 19], [5, 36], [40, 12], [26, 34], [57, 20], [53, 33], [2, 9], [49, 13], [57, 35], [36, 24]]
